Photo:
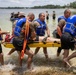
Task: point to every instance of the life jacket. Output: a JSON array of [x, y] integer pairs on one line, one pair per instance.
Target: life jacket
[[18, 27], [18, 30], [40, 30], [62, 17], [70, 26]]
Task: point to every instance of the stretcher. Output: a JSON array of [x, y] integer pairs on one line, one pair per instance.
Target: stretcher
[[36, 44]]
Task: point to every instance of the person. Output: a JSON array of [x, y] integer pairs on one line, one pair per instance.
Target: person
[[1, 39], [19, 16], [30, 18], [12, 17], [16, 18], [69, 33], [19, 39], [40, 31], [59, 29], [53, 15], [34, 37], [9, 38], [67, 14], [47, 17]]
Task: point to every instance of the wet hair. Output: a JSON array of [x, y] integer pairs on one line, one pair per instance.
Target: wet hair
[[66, 11], [21, 14], [30, 14], [40, 14], [62, 22]]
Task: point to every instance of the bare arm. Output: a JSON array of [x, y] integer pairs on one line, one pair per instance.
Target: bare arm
[[3, 32], [48, 31], [59, 31], [36, 24]]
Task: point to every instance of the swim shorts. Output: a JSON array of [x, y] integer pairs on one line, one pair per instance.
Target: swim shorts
[[66, 41], [0, 48], [18, 44]]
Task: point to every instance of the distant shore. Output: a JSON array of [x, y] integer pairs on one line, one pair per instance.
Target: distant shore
[[35, 8]]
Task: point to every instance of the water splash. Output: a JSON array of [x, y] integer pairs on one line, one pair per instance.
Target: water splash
[[8, 67]]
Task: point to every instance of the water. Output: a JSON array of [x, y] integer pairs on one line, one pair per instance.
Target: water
[[12, 61]]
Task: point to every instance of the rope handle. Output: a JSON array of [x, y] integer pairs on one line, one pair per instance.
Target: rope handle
[[25, 40]]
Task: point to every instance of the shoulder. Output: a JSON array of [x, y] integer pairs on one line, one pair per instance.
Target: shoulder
[[36, 23], [32, 26]]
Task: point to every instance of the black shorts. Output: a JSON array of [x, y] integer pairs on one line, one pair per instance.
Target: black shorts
[[18, 44], [66, 41], [57, 36], [53, 18], [47, 18], [0, 48]]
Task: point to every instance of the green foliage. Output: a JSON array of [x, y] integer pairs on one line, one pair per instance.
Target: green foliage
[[73, 5], [48, 6]]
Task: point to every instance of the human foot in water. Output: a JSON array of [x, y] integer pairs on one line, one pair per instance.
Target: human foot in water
[[67, 62]]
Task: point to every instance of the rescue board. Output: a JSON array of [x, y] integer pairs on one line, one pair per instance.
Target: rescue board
[[39, 44]]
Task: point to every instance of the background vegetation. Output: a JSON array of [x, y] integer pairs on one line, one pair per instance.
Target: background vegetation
[[71, 5]]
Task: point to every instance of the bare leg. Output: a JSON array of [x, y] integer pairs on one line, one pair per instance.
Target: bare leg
[[20, 60], [30, 57], [58, 51], [1, 59], [49, 39], [36, 50], [45, 52], [66, 53], [11, 51], [69, 57]]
